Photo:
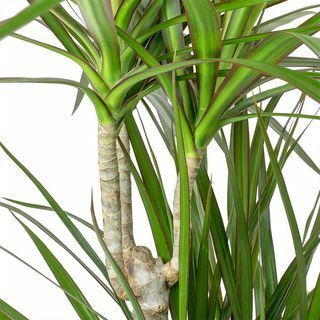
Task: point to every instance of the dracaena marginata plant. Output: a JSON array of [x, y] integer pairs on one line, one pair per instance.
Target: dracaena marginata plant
[[192, 65]]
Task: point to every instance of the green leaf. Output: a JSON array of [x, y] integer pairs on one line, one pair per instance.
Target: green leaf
[[268, 53], [237, 4], [25, 16], [102, 112], [83, 309], [204, 27], [184, 241], [207, 126], [314, 309], [151, 183], [243, 252], [99, 17], [125, 12], [87, 69], [269, 269], [61, 214], [244, 117], [220, 241], [248, 102], [203, 264], [279, 21], [60, 243], [312, 42], [80, 94], [275, 125], [213, 302], [310, 218], [301, 267], [78, 32], [162, 241], [47, 208], [9, 313]]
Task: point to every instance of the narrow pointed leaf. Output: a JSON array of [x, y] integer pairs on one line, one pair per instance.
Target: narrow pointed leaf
[[99, 17], [61, 214], [203, 264], [60, 243], [10, 312], [312, 42], [25, 16], [314, 309], [63, 277], [301, 266], [204, 26], [80, 94], [101, 109], [47, 208], [162, 242]]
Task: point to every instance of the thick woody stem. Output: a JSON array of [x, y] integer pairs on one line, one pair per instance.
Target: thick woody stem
[[110, 198], [144, 273], [125, 193], [172, 267], [148, 282]]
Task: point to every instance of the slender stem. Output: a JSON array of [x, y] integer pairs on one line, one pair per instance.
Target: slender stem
[[125, 193], [172, 268], [110, 197]]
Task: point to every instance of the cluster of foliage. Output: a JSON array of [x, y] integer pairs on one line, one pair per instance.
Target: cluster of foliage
[[192, 65]]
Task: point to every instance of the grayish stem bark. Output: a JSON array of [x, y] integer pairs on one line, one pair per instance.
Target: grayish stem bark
[[144, 273], [110, 198], [148, 282], [172, 267], [125, 193]]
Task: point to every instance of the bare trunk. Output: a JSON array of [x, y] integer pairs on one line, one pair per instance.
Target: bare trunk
[[144, 273], [110, 198], [125, 193], [172, 267], [148, 282]]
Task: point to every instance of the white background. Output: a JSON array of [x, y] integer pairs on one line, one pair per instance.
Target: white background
[[60, 150]]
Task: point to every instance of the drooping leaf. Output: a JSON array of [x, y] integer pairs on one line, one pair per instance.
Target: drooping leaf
[[312, 42], [80, 94], [80, 303], [9, 313], [102, 112], [47, 208], [60, 243], [77, 235], [291, 219], [27, 15]]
